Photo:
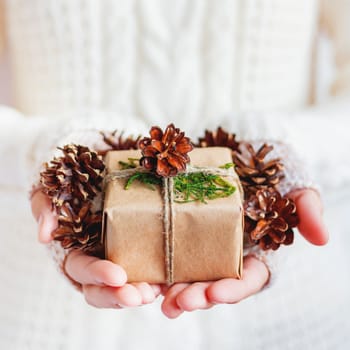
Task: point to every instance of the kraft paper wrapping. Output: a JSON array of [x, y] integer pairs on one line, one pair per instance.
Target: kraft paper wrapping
[[208, 238]]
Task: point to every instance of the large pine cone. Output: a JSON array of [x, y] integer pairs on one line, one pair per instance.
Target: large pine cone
[[254, 171], [269, 219], [79, 228], [219, 138], [116, 142], [165, 152], [77, 175]]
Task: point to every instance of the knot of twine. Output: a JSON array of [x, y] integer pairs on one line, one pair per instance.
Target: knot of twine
[[168, 204]]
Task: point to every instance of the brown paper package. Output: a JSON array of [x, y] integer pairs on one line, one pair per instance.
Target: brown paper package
[[208, 238]]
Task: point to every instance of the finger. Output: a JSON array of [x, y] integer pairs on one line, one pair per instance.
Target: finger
[[146, 291], [164, 289], [112, 297], [87, 269], [46, 217], [170, 308], [156, 289], [309, 210], [230, 290], [194, 297]]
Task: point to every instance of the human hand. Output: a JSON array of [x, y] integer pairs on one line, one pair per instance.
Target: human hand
[[103, 282], [183, 297]]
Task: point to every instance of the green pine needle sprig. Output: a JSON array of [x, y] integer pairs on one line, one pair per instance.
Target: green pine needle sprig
[[148, 179], [201, 187], [132, 163], [191, 187]]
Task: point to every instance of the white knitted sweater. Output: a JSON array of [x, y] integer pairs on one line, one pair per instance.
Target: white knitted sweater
[[83, 65]]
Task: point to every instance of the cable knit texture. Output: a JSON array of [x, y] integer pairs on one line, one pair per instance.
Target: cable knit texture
[[85, 65]]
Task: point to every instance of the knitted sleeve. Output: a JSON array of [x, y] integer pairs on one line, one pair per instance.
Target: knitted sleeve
[[28, 141], [318, 136]]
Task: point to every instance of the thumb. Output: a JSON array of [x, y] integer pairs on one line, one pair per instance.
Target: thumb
[[47, 219], [309, 210]]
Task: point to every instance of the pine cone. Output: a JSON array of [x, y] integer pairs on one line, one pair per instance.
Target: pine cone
[[254, 171], [79, 228], [269, 219], [77, 175], [165, 153], [219, 138], [118, 143]]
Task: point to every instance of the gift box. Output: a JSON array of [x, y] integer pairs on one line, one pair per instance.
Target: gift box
[[156, 239]]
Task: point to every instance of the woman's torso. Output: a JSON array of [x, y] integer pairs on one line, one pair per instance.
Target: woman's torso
[[179, 60]]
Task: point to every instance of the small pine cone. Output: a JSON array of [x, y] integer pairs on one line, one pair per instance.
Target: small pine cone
[[117, 143], [75, 176], [165, 152], [219, 138], [79, 228], [254, 171], [269, 219]]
